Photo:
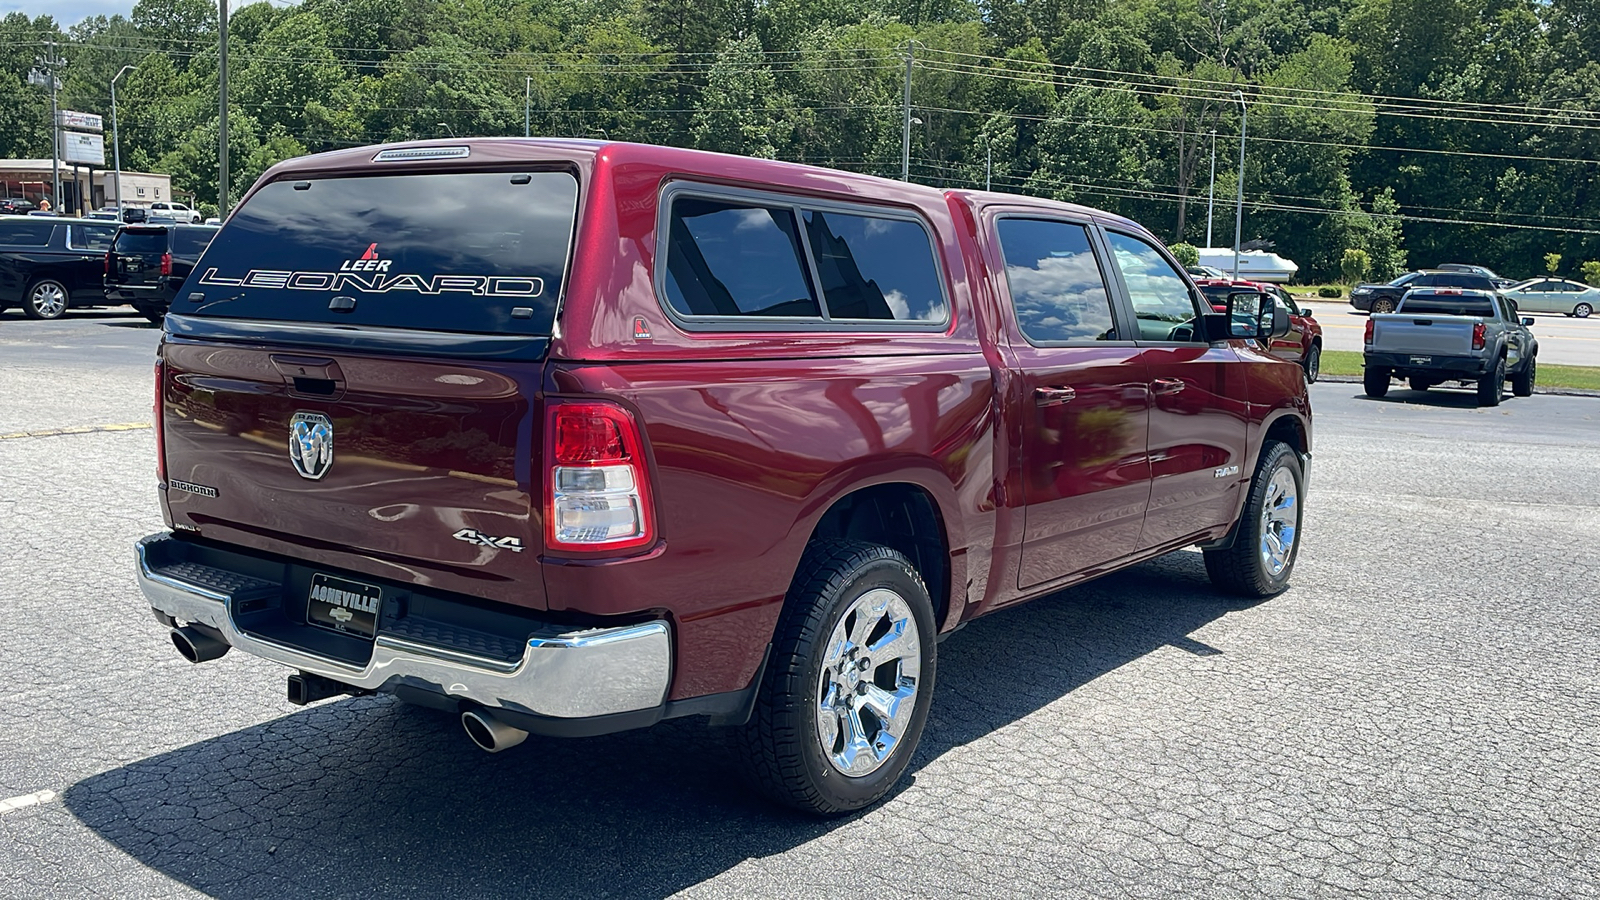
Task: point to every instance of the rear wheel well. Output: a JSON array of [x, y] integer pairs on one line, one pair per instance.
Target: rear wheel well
[[904, 518]]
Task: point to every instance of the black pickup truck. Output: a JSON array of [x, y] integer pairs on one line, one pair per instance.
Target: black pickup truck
[[1383, 298]]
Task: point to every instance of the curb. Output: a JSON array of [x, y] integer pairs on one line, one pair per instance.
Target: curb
[[1537, 389]]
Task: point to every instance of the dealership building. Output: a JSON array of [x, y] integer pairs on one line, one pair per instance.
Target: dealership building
[[83, 187]]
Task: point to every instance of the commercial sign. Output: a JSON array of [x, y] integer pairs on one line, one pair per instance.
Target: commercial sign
[[80, 121], [79, 147]]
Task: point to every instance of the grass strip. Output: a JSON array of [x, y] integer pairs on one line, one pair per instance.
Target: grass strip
[[1348, 362]]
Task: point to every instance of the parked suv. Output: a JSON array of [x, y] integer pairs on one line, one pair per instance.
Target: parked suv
[[177, 211], [1383, 298], [570, 437], [50, 264], [148, 263]]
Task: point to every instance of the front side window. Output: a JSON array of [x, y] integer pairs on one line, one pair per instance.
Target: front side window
[[1160, 297], [734, 258], [874, 267], [1057, 289], [474, 252], [26, 234]]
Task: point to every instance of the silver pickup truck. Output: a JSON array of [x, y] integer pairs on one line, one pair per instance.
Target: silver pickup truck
[[1450, 334]]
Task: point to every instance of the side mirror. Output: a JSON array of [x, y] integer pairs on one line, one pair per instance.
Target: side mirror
[[1527, 320], [1280, 321], [1245, 311]]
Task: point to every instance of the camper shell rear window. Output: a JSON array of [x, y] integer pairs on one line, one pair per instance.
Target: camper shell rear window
[[477, 252]]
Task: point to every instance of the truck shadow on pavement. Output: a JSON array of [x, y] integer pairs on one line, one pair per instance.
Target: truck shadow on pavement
[[1464, 398], [369, 796]]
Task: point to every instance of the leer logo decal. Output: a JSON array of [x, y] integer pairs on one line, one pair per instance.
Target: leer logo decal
[[311, 444]]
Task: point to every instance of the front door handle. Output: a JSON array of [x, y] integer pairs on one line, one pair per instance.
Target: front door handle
[[1053, 396], [1167, 385]]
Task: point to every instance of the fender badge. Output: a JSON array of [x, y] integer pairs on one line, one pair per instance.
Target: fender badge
[[192, 488], [1225, 471], [641, 331]]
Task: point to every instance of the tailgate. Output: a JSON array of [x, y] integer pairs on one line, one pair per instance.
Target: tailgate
[[1423, 333], [401, 468], [136, 259]]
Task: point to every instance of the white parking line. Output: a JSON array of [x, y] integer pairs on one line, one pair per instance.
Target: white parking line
[[26, 800]]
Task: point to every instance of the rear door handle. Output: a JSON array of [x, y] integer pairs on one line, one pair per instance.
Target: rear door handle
[[1167, 385], [1053, 396]]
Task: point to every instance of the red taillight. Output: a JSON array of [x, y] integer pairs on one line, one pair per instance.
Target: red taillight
[[597, 492], [1367, 338], [166, 263], [1478, 335], [108, 262], [156, 422]]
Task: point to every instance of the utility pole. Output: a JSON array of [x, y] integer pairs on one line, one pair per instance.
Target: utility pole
[[905, 137], [1211, 195], [116, 141], [51, 63], [222, 109], [527, 97], [1238, 215], [988, 165]]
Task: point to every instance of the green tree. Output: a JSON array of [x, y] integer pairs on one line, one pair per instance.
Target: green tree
[[1354, 265], [1552, 263], [1591, 272], [1187, 254], [741, 110]]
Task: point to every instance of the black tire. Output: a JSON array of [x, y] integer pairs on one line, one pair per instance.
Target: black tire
[[46, 298], [1383, 305], [156, 314], [1491, 385], [1417, 384], [1522, 382], [1582, 310], [781, 747], [1312, 363], [1375, 381], [1243, 568]]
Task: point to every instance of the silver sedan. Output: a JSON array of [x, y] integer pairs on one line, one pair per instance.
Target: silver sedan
[[1555, 295]]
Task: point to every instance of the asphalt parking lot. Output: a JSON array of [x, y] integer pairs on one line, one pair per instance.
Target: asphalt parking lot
[[1415, 717]]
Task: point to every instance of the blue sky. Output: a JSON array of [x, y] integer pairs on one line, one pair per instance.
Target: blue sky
[[68, 12]]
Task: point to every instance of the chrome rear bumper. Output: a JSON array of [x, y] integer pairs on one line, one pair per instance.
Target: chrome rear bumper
[[578, 674]]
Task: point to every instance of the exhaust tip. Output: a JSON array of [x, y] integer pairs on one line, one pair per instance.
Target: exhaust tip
[[196, 646], [490, 733]]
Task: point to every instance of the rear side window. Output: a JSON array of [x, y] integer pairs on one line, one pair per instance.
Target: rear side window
[[189, 243], [762, 256], [1057, 289], [736, 259], [141, 243], [480, 252], [26, 234], [91, 237], [874, 267]]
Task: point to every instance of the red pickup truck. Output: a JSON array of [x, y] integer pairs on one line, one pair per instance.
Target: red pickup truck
[[569, 437]]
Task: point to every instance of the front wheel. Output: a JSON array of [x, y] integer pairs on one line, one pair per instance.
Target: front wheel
[[46, 299], [1375, 381], [1522, 382], [1313, 363], [1267, 538], [846, 691], [1582, 310]]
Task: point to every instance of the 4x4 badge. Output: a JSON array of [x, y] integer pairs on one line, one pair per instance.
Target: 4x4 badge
[[474, 536], [311, 444]]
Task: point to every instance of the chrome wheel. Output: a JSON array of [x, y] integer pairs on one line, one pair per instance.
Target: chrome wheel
[[1279, 517], [867, 689], [48, 299]]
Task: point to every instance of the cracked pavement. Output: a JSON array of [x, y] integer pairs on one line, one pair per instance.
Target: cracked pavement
[[1416, 717]]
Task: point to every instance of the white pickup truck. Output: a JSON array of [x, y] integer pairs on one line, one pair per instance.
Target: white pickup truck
[[1450, 334]]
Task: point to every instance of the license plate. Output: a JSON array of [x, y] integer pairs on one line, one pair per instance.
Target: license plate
[[1421, 360], [343, 605]]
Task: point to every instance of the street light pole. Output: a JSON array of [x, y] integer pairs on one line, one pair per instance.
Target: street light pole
[[116, 140], [51, 62], [905, 137], [988, 163], [1211, 194], [1238, 215], [222, 109], [527, 97]]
